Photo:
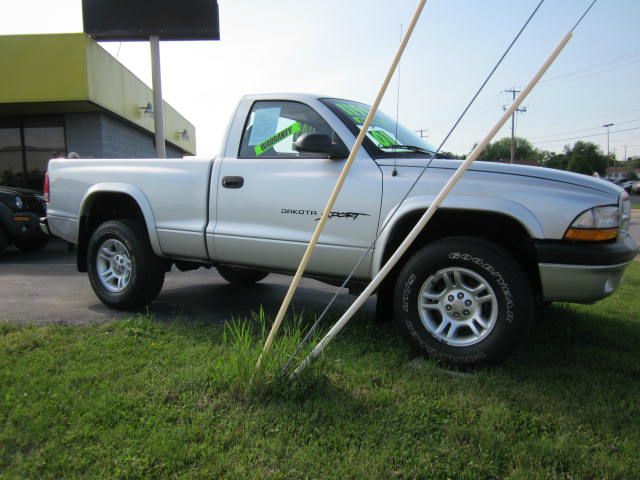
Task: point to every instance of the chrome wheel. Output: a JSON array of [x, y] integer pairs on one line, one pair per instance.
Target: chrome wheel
[[113, 264], [457, 306]]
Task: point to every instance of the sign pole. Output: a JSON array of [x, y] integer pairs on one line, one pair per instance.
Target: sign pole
[[156, 79], [413, 234], [336, 190]]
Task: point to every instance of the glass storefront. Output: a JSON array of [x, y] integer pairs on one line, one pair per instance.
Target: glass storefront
[[26, 145]]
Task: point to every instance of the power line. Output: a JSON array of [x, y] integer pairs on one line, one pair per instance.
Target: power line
[[581, 130], [591, 118], [587, 136], [597, 65], [588, 75]]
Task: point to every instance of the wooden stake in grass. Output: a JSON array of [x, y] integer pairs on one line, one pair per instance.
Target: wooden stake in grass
[[397, 255], [336, 190]]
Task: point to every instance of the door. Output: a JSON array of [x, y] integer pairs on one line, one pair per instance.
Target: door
[[270, 197]]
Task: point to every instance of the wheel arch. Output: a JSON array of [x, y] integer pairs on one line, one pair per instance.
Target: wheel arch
[[110, 201], [512, 234]]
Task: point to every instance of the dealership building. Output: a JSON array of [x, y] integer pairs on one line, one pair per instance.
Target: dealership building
[[64, 93]]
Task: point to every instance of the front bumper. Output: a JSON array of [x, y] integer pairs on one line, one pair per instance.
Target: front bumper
[[44, 226], [24, 225], [583, 273]]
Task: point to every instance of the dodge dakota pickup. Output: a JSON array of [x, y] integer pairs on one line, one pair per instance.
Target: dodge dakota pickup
[[506, 238]]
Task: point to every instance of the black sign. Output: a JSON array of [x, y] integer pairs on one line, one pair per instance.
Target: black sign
[[123, 20]]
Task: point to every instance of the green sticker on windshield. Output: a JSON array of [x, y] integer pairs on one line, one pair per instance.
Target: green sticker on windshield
[[357, 113], [277, 138], [383, 138]]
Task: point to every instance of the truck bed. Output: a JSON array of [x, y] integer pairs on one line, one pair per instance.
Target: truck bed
[[175, 190]]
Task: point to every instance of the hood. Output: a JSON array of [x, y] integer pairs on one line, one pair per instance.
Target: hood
[[521, 170], [22, 192]]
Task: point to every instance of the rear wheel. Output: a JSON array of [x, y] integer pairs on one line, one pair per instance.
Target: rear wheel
[[32, 244], [241, 276], [124, 272], [464, 301], [4, 240]]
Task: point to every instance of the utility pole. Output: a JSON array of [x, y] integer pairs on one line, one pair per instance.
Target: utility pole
[[422, 132], [158, 107], [607, 126], [513, 92]]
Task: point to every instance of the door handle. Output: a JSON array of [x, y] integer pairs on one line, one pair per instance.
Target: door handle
[[232, 182]]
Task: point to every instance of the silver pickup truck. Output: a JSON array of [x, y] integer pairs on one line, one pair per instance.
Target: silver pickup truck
[[506, 238]]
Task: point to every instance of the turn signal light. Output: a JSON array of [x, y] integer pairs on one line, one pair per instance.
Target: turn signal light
[[591, 234]]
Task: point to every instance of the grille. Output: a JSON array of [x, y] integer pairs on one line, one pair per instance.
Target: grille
[[35, 205]]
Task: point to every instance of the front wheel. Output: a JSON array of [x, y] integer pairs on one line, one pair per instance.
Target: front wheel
[[123, 270], [464, 301]]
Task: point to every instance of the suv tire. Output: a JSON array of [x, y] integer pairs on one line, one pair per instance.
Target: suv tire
[[463, 301], [123, 270], [4, 240], [32, 244]]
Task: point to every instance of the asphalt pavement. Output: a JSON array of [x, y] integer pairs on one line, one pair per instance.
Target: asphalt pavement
[[44, 287]]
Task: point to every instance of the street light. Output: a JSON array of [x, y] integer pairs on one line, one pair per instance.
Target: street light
[[607, 125]]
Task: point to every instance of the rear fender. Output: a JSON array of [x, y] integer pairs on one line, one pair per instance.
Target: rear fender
[[136, 194]]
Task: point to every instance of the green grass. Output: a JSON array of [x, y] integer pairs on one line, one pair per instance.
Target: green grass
[[142, 399]]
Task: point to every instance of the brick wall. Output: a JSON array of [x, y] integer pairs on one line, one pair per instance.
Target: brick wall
[[98, 135]]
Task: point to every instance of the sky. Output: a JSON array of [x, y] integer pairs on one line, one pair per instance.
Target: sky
[[344, 49]]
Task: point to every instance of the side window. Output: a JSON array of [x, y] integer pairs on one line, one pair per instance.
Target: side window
[[273, 127]]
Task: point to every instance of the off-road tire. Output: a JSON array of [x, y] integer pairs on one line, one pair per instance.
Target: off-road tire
[[31, 244], [497, 268], [4, 240], [241, 276], [147, 269]]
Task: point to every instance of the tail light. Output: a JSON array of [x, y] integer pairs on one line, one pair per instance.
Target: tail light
[[45, 187]]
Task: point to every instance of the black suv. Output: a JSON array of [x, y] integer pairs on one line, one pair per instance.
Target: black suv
[[20, 212]]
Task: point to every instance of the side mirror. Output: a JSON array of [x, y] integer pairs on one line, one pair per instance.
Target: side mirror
[[320, 143]]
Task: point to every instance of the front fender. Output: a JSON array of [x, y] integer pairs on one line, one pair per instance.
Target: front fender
[[500, 206], [138, 196]]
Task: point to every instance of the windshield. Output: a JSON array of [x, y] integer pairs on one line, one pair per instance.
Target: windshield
[[383, 133]]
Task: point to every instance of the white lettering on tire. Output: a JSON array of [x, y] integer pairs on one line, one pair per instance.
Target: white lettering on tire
[[490, 269]]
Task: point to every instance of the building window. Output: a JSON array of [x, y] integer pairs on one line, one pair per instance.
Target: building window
[[26, 146]]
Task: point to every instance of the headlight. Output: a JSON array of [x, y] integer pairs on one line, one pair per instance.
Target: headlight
[[595, 225], [19, 203]]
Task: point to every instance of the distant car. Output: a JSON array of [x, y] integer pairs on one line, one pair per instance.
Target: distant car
[[635, 188], [20, 213], [627, 186]]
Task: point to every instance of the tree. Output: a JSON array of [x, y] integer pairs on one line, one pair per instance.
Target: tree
[[559, 161], [500, 151], [586, 157], [451, 155]]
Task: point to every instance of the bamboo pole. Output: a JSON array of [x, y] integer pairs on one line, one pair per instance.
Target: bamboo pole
[[393, 260], [336, 189]]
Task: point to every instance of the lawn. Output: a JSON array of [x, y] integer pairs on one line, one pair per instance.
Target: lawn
[[143, 399]]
